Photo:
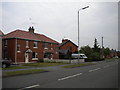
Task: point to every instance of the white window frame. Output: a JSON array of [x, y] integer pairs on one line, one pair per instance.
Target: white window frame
[[45, 45], [27, 44], [36, 56], [36, 44], [6, 43], [18, 47]]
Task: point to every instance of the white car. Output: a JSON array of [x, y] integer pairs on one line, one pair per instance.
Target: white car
[[81, 55]]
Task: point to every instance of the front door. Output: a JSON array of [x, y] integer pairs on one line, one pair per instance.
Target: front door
[[26, 57]]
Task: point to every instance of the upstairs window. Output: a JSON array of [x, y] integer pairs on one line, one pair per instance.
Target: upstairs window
[[35, 44], [18, 47], [6, 43], [45, 45], [27, 44], [51, 46]]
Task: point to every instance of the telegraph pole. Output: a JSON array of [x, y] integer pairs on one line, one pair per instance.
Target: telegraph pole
[[102, 49]]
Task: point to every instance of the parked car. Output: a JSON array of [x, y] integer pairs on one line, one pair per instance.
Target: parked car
[[81, 55], [5, 63]]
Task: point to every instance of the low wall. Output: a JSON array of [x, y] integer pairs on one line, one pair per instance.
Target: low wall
[[64, 60]]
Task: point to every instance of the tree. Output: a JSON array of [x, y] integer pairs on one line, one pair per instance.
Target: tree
[[95, 56], [106, 51], [96, 46], [86, 50]]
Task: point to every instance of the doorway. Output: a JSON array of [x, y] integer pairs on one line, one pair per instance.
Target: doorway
[[26, 57]]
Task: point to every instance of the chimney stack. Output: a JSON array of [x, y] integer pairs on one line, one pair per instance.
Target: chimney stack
[[31, 29], [64, 40]]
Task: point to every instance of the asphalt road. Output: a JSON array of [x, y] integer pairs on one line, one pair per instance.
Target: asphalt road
[[101, 75]]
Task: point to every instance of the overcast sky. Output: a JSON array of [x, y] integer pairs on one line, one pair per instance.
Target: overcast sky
[[59, 20]]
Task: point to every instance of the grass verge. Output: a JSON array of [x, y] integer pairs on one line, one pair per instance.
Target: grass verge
[[14, 67], [42, 64], [77, 65], [23, 72]]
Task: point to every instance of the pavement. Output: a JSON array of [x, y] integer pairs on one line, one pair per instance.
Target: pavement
[[50, 68], [101, 75]]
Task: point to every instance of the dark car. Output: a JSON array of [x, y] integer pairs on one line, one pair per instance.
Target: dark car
[[5, 63]]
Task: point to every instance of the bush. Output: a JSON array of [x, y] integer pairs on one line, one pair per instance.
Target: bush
[[40, 60], [95, 56]]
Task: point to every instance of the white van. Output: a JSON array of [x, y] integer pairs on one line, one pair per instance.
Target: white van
[[81, 55]]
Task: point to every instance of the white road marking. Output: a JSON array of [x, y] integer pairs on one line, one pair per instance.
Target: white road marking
[[29, 87], [106, 66], [69, 76], [94, 69]]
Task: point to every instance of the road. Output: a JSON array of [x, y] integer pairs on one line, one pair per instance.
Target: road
[[101, 75]]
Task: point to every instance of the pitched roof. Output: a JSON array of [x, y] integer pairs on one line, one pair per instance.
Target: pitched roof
[[63, 43], [1, 33], [30, 36]]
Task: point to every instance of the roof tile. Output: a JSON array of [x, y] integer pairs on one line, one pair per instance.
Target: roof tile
[[27, 35]]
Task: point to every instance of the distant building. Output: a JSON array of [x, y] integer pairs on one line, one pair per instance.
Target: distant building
[[66, 48], [1, 34], [27, 46]]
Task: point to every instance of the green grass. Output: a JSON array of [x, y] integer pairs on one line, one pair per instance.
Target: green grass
[[14, 67], [42, 64], [23, 72], [77, 65]]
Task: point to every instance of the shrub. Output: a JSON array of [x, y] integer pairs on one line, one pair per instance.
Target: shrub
[[40, 60]]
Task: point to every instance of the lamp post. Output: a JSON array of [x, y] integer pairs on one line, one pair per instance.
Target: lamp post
[[78, 30]]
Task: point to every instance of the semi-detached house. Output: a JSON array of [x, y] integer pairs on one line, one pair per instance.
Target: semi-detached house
[[27, 46], [1, 34]]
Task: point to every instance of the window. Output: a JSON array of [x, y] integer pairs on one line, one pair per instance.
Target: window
[[34, 55], [51, 46], [6, 43], [27, 44], [45, 45], [18, 47], [35, 45]]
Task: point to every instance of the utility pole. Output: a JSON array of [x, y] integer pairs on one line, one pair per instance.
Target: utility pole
[[102, 49], [102, 42], [78, 33]]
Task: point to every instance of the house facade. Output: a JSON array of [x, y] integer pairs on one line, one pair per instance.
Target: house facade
[[66, 48], [1, 34], [27, 46]]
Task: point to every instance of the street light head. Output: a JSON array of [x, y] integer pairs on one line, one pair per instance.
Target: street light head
[[85, 7]]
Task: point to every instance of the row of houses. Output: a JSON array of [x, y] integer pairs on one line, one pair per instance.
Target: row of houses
[[21, 46]]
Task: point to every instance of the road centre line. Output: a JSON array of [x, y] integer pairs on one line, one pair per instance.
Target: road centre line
[[29, 87], [94, 69], [69, 76]]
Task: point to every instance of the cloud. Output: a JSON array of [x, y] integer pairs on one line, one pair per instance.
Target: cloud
[[59, 19]]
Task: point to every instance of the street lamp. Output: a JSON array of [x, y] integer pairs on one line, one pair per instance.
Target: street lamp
[[78, 29]]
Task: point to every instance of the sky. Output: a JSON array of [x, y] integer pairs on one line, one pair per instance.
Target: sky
[[59, 20]]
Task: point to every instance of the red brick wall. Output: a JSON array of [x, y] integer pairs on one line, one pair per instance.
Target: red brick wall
[[54, 49], [21, 55], [67, 47], [23, 49], [56, 53], [9, 49]]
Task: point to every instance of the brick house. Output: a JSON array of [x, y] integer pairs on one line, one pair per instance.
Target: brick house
[[26, 46], [66, 48], [1, 34]]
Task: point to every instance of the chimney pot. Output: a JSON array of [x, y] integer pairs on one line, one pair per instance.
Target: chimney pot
[[31, 29]]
